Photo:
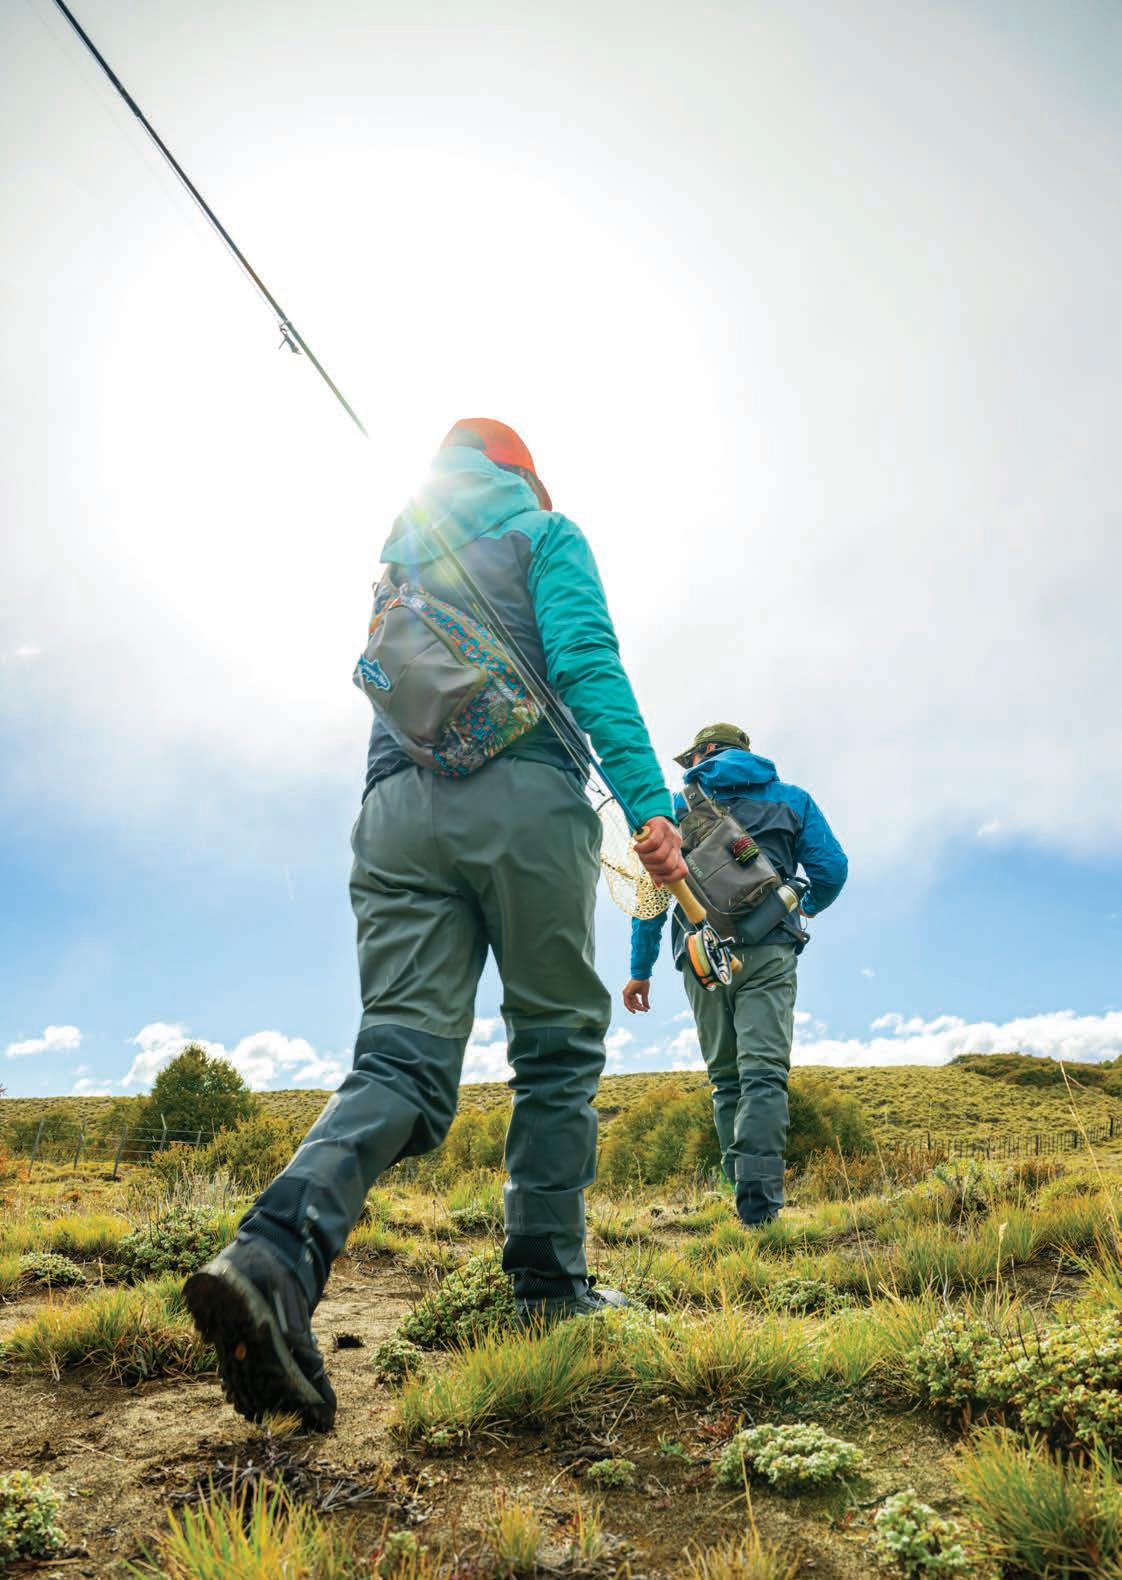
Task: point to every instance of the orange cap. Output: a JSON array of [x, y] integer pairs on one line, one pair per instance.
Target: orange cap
[[501, 445]]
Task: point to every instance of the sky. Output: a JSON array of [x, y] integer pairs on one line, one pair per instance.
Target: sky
[[810, 317]]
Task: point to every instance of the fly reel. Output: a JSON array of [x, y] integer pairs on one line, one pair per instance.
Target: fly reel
[[710, 957]]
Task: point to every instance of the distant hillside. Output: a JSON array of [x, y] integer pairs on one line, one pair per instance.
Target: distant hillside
[[908, 1100]]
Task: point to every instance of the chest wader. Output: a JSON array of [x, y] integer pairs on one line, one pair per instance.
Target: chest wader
[[745, 1027], [444, 870]]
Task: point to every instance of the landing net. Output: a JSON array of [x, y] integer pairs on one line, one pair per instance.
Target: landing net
[[629, 883]]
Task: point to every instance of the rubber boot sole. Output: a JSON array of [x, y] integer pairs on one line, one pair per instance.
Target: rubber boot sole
[[260, 1374]]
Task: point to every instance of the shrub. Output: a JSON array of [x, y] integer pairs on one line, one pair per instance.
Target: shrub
[[824, 1119], [28, 1517], [827, 1176], [669, 1133], [178, 1243], [476, 1140], [801, 1455], [196, 1092], [611, 1473], [253, 1152], [477, 1298], [48, 1267], [913, 1539]]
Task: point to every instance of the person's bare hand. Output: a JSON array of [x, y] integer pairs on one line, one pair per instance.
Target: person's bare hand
[[660, 850], [637, 995]]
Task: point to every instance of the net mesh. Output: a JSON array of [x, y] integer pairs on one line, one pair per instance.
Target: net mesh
[[629, 883]]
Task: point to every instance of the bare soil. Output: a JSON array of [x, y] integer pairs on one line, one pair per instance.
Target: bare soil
[[119, 1455]]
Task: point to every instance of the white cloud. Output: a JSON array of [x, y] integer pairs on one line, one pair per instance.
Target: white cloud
[[485, 1057], [264, 1059], [1061, 1034], [55, 1039], [26, 651], [684, 1050], [991, 830], [88, 1087], [867, 971], [614, 1045], [908, 571]]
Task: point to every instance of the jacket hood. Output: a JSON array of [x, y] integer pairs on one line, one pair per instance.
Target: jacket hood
[[464, 496], [727, 772]]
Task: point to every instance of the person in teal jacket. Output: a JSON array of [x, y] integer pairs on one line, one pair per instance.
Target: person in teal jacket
[[745, 1030], [445, 870]]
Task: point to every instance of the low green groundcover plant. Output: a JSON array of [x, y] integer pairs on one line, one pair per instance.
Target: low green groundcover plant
[[1064, 1383], [912, 1539], [611, 1473], [396, 1357], [28, 1517], [798, 1455], [802, 1296], [476, 1299], [180, 1242], [50, 1267]]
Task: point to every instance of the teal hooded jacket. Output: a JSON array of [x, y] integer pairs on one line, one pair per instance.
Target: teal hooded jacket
[[538, 573]]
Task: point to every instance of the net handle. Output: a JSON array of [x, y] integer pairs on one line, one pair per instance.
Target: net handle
[[680, 889]]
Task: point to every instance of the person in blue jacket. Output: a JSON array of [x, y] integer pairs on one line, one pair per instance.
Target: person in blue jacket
[[445, 869], [745, 1030]]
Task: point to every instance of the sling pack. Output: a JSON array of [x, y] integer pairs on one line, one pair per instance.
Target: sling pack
[[727, 868], [443, 683]]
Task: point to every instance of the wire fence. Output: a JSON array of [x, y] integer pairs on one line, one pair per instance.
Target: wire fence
[[72, 1144], [1038, 1144]]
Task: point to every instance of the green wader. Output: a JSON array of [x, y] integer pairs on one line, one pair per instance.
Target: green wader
[[444, 869], [745, 1033]]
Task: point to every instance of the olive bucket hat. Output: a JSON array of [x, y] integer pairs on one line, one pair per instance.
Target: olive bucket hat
[[717, 735]]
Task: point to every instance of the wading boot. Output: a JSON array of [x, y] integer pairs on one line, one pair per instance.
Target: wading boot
[[580, 1300], [249, 1304]]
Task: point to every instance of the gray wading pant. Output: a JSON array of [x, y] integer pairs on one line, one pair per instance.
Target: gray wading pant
[[745, 1033], [443, 869]]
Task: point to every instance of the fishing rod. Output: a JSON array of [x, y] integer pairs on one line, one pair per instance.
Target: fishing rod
[[711, 956], [290, 335]]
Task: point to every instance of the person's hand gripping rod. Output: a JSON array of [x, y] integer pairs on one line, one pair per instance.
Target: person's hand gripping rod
[[658, 846]]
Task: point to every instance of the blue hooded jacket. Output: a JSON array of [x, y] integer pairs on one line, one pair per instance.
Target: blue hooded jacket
[[537, 572], [785, 822]]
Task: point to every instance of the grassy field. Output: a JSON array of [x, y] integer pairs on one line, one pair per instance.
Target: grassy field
[[903, 1102], [917, 1372]]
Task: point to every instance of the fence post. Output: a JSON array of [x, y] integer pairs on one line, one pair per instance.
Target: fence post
[[198, 1136], [164, 1134], [1075, 1141], [120, 1149], [1111, 1136], [81, 1143], [35, 1146], [1036, 1138]]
